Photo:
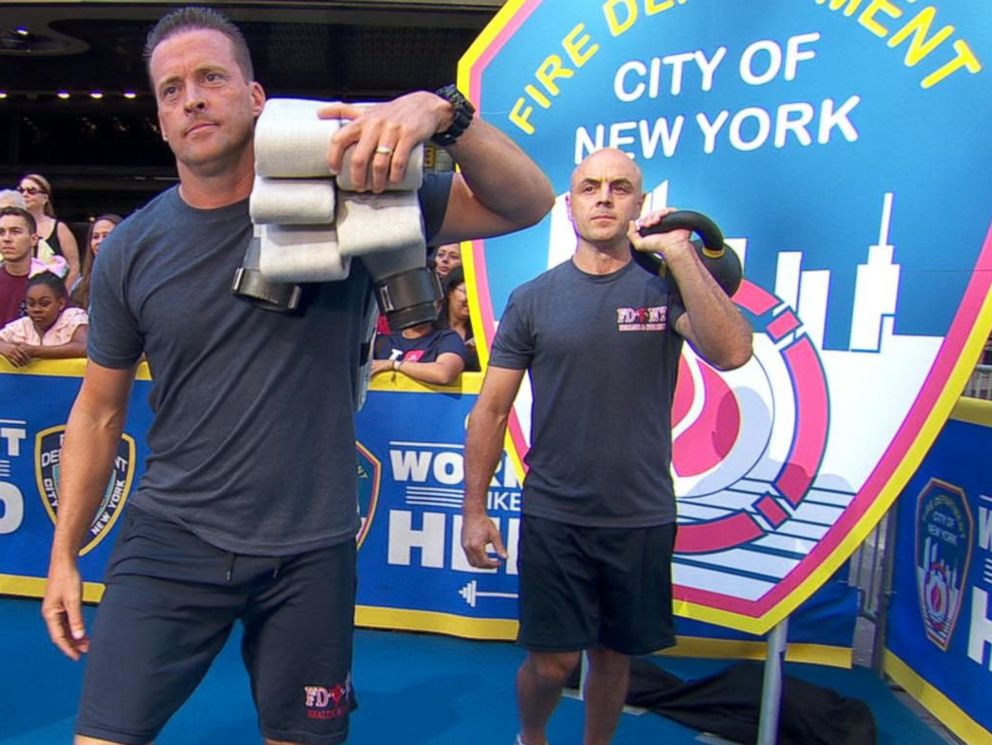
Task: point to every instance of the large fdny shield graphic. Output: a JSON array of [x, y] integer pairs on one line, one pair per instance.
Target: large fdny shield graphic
[[842, 147]]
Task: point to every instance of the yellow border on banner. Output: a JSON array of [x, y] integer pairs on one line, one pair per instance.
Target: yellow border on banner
[[468, 382], [933, 700], [482, 42], [739, 649], [973, 411], [400, 619], [70, 368], [34, 587]]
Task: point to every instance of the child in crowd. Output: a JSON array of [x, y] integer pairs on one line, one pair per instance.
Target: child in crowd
[[426, 353], [51, 330]]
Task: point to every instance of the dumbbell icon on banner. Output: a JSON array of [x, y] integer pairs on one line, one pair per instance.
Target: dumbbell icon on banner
[[470, 593]]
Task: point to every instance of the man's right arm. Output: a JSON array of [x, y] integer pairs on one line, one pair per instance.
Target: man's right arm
[[91, 439], [483, 450]]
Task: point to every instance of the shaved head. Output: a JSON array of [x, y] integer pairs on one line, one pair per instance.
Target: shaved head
[[608, 161]]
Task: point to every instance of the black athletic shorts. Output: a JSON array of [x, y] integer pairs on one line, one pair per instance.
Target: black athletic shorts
[[170, 603], [581, 587]]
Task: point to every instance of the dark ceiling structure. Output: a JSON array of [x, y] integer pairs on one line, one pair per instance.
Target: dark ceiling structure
[[75, 104]]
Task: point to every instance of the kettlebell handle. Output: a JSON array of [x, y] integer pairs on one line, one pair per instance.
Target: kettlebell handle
[[698, 223], [722, 263]]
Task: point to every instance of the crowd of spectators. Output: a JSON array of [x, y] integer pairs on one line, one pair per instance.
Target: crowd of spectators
[[45, 282], [44, 275]]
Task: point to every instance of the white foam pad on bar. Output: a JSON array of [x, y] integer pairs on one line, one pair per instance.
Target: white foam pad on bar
[[292, 201], [290, 141], [412, 179], [368, 222], [300, 254]]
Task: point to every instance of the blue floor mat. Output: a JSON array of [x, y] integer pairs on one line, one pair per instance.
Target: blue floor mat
[[412, 688]]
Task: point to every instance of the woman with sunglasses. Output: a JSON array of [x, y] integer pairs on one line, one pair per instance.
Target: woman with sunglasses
[[54, 233]]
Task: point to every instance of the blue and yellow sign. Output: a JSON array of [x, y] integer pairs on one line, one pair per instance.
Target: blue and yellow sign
[[842, 147]]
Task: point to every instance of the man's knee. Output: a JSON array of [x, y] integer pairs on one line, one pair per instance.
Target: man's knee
[[608, 661], [553, 667]]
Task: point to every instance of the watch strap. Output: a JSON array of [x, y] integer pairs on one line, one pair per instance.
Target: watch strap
[[462, 112]]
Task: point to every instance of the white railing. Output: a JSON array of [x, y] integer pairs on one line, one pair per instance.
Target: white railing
[[980, 384]]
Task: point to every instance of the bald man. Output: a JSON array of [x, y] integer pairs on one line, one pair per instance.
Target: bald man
[[601, 339]]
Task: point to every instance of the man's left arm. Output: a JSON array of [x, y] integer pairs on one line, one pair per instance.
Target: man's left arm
[[497, 190], [711, 322]]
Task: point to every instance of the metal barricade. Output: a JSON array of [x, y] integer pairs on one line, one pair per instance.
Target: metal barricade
[[869, 573], [980, 383]]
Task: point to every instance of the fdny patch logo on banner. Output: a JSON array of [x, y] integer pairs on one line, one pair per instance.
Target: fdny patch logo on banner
[[48, 458], [369, 483], [944, 536]]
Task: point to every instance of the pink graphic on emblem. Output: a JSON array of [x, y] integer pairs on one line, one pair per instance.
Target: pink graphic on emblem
[[712, 433], [709, 440]]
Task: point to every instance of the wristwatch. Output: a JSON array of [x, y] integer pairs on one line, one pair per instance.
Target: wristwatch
[[462, 112]]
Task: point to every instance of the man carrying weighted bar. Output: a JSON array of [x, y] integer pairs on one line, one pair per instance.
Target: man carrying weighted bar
[[244, 512], [601, 339]]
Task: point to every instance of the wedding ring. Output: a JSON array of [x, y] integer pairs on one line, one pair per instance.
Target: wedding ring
[[383, 150]]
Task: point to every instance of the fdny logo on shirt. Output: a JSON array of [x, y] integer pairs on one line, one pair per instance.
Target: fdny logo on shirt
[[642, 319], [48, 457], [328, 702]]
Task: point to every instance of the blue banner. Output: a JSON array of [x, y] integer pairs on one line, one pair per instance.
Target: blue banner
[[412, 572], [939, 630], [33, 412]]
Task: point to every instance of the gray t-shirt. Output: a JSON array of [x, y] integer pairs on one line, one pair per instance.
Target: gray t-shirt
[[252, 446], [603, 356]]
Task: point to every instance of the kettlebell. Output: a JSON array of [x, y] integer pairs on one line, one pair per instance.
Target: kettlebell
[[719, 259]]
